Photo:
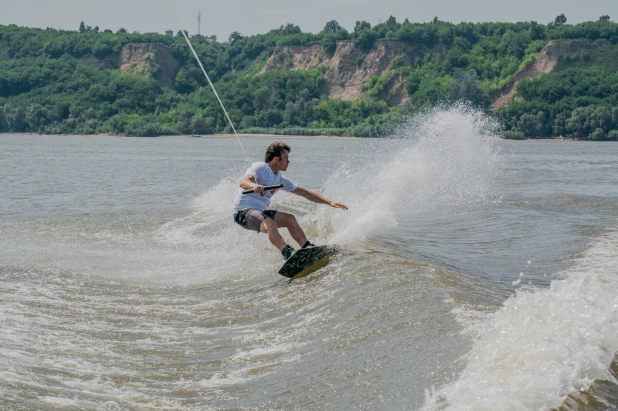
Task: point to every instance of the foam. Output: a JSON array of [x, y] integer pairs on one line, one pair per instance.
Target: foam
[[544, 345]]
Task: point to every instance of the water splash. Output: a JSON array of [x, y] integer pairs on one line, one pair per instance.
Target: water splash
[[544, 345], [438, 161]]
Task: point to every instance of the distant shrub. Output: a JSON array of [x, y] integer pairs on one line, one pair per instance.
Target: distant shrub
[[513, 135]]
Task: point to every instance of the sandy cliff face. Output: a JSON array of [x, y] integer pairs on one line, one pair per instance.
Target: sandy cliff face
[[348, 68], [154, 60], [544, 62]]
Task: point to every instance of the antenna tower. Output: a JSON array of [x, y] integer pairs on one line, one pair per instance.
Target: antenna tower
[[199, 21]]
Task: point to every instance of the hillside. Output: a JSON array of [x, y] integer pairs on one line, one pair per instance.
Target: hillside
[[348, 69], [561, 55], [540, 80]]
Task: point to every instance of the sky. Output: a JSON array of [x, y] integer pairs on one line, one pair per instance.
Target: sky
[[259, 16]]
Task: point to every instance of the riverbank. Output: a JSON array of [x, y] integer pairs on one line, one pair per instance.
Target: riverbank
[[278, 137], [252, 136]]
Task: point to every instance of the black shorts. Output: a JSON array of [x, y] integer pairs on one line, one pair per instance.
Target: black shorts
[[252, 219]]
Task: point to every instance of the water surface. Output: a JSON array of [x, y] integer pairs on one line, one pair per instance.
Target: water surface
[[477, 274]]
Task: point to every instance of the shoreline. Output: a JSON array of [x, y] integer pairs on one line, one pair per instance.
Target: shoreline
[[282, 136], [211, 136]]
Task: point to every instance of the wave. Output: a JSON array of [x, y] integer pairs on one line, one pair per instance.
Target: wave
[[544, 345]]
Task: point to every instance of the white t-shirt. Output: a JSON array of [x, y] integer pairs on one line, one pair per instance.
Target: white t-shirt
[[264, 176]]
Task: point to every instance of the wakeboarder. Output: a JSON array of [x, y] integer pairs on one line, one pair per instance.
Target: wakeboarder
[[251, 210]]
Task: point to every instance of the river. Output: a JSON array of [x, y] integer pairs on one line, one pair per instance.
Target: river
[[476, 274]]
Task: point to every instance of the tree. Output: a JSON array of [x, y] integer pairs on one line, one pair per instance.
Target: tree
[[290, 29], [366, 39], [598, 134], [466, 86], [544, 128], [602, 118], [361, 25], [15, 118], [234, 36], [35, 117], [579, 123], [82, 27], [329, 41], [529, 125], [391, 23], [604, 18], [200, 126], [536, 31], [331, 27], [413, 82], [559, 126], [560, 20]]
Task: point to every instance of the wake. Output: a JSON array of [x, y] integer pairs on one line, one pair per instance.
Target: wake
[[545, 346]]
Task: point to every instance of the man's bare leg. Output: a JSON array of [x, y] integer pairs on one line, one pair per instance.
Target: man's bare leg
[[269, 226], [289, 221]]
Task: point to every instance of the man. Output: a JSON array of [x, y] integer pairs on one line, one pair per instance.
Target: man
[[251, 210]]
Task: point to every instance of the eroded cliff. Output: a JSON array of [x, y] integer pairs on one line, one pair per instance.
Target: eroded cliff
[[152, 60], [348, 68]]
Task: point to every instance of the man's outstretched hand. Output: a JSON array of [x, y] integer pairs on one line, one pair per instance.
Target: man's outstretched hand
[[338, 205]]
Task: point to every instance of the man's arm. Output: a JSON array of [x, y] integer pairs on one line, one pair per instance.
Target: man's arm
[[248, 183], [316, 198]]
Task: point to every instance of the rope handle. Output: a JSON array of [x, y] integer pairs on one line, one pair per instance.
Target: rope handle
[[266, 188]]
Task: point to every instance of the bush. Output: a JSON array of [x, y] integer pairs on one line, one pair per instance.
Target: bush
[[513, 135]]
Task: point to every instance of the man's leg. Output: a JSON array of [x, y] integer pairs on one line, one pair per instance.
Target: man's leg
[[270, 227], [289, 221]]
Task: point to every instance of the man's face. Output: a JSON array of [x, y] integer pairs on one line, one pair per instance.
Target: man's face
[[284, 161]]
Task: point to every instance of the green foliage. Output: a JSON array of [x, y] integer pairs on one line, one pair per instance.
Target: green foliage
[[331, 27], [53, 81], [365, 39], [466, 86], [297, 131], [432, 89], [413, 82], [376, 85], [513, 135], [575, 102], [330, 43], [234, 36], [560, 20], [591, 30]]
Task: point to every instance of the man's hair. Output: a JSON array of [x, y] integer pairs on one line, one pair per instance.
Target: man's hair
[[275, 150]]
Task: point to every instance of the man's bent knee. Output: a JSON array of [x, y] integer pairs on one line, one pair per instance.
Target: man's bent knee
[[286, 220], [268, 225]]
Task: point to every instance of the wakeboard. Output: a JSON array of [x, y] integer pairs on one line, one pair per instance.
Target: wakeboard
[[303, 259]]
